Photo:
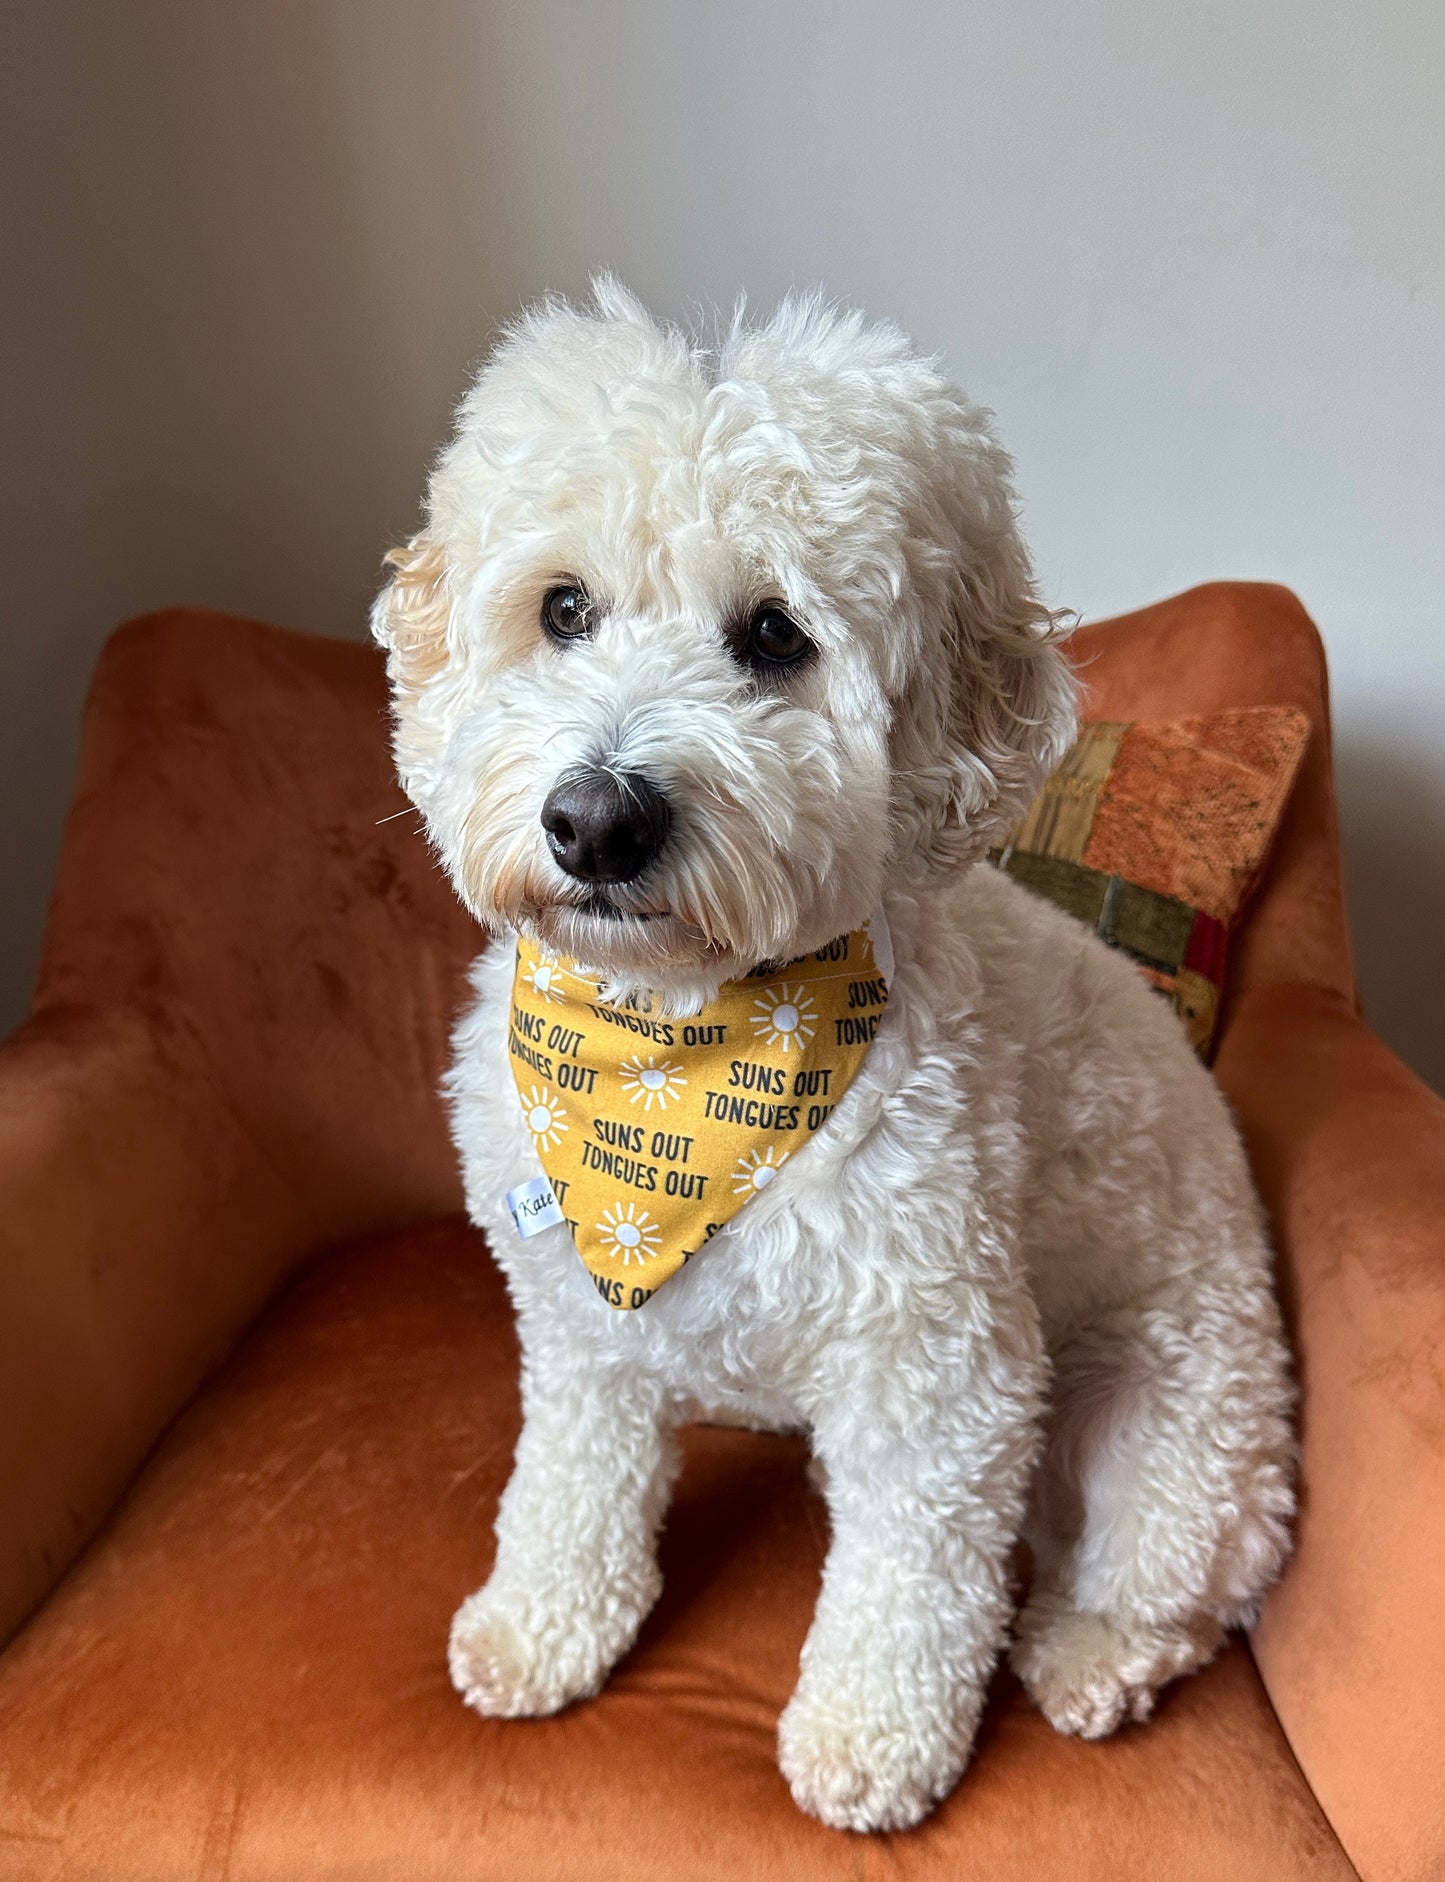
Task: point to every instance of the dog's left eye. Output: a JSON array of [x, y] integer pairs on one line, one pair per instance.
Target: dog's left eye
[[567, 613], [775, 639]]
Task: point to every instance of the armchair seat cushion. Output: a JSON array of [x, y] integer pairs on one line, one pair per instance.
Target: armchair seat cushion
[[245, 1676]]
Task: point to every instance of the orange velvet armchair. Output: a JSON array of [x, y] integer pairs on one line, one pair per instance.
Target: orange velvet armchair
[[257, 1393]]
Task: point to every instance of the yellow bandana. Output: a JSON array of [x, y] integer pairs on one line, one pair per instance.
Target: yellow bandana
[[654, 1132]]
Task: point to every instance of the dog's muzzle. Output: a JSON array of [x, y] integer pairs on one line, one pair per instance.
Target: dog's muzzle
[[605, 826]]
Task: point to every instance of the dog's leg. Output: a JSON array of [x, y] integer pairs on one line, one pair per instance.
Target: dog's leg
[[928, 1458], [1161, 1513], [576, 1567]]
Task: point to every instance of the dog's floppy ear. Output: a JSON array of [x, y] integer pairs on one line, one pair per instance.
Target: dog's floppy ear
[[992, 712], [412, 614]]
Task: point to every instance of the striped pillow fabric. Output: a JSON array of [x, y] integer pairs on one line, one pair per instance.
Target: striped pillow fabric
[[1156, 834]]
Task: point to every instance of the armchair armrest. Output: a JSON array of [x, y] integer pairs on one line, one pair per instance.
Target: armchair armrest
[[139, 1230], [1349, 1150], [249, 972]]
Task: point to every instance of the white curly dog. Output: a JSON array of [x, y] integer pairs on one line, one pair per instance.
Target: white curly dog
[[1018, 1286]]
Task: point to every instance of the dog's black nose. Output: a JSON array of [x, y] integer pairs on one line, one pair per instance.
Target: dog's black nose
[[604, 826]]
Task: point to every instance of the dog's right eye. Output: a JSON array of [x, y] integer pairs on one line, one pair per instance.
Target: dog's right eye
[[567, 613]]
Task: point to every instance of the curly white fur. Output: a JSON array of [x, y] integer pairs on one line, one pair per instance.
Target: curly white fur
[[1019, 1284]]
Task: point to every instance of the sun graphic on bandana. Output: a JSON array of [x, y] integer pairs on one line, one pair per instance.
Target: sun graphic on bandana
[[652, 1083], [756, 1170], [786, 1017], [545, 1117], [541, 977], [629, 1232]]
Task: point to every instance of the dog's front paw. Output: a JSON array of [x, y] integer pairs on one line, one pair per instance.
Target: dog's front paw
[[497, 1670], [511, 1662], [857, 1767]]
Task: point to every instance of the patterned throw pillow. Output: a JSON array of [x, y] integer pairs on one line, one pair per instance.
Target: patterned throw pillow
[[1155, 835]]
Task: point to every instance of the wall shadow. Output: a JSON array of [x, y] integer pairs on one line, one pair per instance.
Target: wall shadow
[[1392, 813], [246, 278]]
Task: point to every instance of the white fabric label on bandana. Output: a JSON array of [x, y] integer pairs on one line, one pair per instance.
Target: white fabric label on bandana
[[534, 1207]]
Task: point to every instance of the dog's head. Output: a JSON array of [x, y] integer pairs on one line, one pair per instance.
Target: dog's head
[[698, 650]]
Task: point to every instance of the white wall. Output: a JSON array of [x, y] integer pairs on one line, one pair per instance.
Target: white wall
[[1191, 253]]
